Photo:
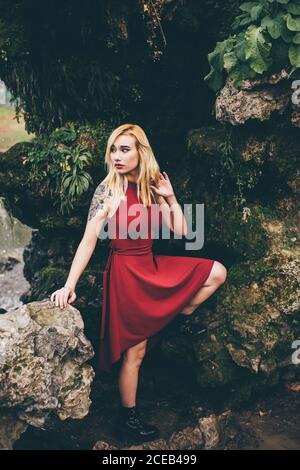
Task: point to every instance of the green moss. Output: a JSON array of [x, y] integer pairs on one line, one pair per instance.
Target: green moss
[[214, 365]]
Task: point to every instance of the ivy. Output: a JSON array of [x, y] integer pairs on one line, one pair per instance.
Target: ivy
[[265, 38]]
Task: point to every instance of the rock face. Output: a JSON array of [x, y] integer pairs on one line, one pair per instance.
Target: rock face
[[251, 193], [43, 370], [254, 99]]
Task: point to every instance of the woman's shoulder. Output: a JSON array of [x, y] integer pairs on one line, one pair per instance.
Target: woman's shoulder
[[100, 200]]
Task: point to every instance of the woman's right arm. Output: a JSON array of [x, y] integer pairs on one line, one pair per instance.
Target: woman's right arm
[[96, 216]]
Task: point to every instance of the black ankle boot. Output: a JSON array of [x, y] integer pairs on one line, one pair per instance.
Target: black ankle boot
[[130, 426], [186, 326]]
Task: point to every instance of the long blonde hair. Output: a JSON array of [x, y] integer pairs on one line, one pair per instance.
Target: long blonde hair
[[148, 166]]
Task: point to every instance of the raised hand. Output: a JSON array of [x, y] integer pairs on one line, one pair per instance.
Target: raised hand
[[163, 187]]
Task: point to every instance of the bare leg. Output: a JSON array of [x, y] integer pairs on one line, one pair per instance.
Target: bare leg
[[215, 279], [128, 378]]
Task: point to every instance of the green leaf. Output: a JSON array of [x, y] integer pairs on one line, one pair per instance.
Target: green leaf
[[283, 2], [216, 61], [296, 38], [245, 20], [214, 79], [247, 6], [286, 34], [241, 72], [230, 60], [293, 24], [240, 50], [257, 49], [294, 9], [273, 25], [215, 57], [294, 55], [255, 12]]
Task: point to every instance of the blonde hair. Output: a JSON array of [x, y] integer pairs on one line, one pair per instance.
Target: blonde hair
[[149, 169]]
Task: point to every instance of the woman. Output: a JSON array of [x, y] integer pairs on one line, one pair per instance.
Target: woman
[[142, 292]]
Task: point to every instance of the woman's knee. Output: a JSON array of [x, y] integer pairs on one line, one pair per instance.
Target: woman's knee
[[136, 353], [218, 274]]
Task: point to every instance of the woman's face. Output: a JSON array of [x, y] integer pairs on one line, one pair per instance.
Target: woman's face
[[123, 152]]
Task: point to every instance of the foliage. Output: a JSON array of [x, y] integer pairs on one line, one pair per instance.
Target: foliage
[[59, 163], [266, 39]]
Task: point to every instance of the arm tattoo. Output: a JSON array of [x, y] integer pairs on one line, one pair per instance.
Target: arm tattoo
[[97, 201]]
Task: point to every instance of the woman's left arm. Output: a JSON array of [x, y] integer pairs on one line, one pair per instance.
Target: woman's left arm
[[178, 220], [170, 208]]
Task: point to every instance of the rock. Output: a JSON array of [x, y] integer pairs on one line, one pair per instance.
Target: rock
[[157, 444], [237, 106], [101, 445], [211, 432], [6, 264], [43, 368], [188, 438], [210, 429], [11, 429]]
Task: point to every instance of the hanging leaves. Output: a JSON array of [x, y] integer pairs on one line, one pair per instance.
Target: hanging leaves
[[264, 29]]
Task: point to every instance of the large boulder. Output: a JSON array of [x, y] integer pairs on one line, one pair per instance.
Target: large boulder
[[43, 363]]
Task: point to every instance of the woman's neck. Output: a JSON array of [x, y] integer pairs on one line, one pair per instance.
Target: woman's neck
[[131, 181]]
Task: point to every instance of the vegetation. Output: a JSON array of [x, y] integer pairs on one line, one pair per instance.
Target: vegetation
[[266, 39]]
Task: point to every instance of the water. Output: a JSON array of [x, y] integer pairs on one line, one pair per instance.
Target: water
[[14, 236]]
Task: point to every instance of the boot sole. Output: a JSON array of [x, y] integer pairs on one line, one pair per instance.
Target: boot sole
[[125, 437]]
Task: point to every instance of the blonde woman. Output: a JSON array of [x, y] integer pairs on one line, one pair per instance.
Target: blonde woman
[[142, 292]]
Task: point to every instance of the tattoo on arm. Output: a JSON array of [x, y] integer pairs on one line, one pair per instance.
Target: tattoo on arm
[[97, 201]]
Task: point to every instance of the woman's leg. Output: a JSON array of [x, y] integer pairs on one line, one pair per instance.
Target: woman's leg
[[215, 279], [128, 378]]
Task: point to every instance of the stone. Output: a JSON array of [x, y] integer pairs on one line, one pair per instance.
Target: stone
[[43, 366], [210, 429]]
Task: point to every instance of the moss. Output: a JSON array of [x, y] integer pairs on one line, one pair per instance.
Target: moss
[[214, 365], [49, 279]]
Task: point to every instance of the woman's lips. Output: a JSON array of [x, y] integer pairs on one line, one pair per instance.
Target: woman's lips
[[119, 166]]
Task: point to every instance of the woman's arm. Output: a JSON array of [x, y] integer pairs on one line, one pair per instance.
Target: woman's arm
[[96, 217], [171, 211], [172, 215]]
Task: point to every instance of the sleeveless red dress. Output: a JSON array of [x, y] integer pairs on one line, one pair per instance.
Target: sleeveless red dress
[[142, 292]]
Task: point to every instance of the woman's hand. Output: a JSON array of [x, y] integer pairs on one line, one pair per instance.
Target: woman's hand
[[63, 296], [164, 187]]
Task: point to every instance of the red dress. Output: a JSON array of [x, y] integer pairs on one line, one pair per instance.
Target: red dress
[[142, 292]]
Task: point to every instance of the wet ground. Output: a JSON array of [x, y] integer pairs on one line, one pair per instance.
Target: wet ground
[[270, 422]]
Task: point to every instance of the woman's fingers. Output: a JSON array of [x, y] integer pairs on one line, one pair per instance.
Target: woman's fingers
[[65, 297], [72, 298], [61, 300], [60, 297]]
